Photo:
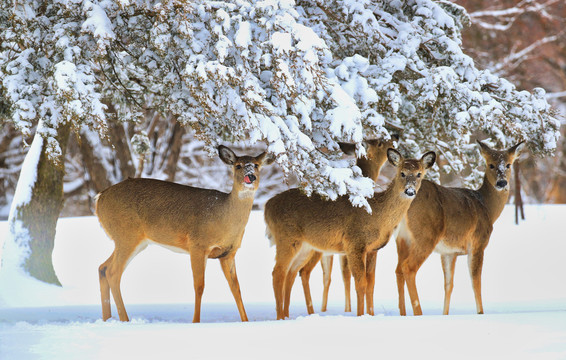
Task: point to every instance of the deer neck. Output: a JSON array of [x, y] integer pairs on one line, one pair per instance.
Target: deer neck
[[241, 199], [493, 199], [391, 201], [369, 168]]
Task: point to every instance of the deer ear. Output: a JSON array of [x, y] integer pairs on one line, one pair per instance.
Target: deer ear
[[265, 158], [484, 148], [394, 157], [347, 148], [226, 155], [429, 159], [515, 150]]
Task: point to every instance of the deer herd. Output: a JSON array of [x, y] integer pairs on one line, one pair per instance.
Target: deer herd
[[421, 215]]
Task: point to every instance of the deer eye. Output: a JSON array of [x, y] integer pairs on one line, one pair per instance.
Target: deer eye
[[419, 175], [508, 166], [256, 166], [238, 167], [402, 174], [491, 166]]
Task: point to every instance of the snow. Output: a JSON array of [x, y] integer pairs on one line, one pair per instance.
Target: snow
[[16, 246], [524, 299]]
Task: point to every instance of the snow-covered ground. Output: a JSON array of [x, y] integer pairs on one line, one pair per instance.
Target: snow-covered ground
[[524, 292]]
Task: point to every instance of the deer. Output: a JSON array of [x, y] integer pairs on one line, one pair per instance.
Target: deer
[[452, 222], [370, 164], [298, 228], [205, 223]]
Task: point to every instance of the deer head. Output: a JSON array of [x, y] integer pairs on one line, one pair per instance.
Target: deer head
[[411, 172], [245, 168], [498, 164], [376, 154]]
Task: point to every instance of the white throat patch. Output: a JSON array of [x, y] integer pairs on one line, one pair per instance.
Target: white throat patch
[[246, 193]]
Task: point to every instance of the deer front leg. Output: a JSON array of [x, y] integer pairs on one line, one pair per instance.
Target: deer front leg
[[402, 253], [346, 277], [356, 261], [448, 266], [371, 260], [475, 264], [229, 269], [410, 268], [401, 290], [198, 265]]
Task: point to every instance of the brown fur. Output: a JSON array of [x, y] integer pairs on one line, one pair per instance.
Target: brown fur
[[298, 227], [370, 165], [453, 222], [204, 223]]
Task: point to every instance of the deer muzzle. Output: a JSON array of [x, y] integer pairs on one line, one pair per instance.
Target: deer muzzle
[[248, 179], [501, 184], [410, 192]]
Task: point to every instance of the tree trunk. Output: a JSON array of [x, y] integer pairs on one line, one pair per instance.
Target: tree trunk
[[94, 162], [7, 133], [174, 151], [119, 140], [557, 192], [39, 215], [518, 196]]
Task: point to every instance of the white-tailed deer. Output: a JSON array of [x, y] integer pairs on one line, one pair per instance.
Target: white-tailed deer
[[376, 156], [203, 223], [452, 222], [299, 227]]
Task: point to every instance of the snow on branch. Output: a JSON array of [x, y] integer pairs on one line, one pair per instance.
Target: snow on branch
[[503, 19], [297, 76]]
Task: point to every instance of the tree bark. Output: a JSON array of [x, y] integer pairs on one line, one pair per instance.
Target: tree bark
[[7, 133], [518, 196], [39, 216], [557, 192], [174, 151], [98, 173]]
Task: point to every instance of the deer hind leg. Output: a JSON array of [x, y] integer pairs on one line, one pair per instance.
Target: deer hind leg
[[346, 277], [371, 260], [110, 275], [305, 274], [229, 269], [198, 265], [326, 264], [105, 289], [299, 261], [402, 254], [448, 266], [475, 264], [356, 261]]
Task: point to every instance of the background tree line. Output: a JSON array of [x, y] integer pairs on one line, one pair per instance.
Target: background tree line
[[103, 90]]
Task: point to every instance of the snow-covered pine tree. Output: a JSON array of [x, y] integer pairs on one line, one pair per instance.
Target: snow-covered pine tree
[[47, 73], [298, 76]]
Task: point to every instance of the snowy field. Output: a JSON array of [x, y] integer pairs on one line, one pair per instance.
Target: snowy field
[[524, 293]]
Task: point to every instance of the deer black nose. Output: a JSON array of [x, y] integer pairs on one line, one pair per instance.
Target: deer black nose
[[501, 183], [410, 192]]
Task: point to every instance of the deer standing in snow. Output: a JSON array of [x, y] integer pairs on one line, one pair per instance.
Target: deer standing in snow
[[201, 222], [452, 222], [370, 165], [298, 227]]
